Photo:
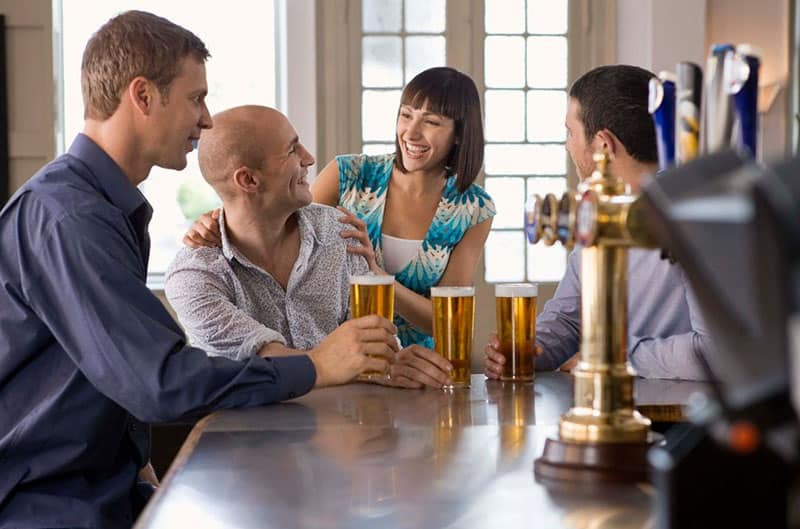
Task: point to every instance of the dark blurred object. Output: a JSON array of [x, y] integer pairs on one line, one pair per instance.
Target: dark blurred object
[[5, 175], [735, 228], [166, 443]]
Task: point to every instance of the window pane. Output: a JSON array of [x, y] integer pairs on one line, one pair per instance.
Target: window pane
[[382, 62], [381, 15], [505, 115], [547, 62], [546, 263], [525, 159], [423, 53], [546, 112], [379, 114], [509, 199], [547, 16], [546, 184], [505, 16], [505, 62], [425, 16], [504, 256], [377, 148]]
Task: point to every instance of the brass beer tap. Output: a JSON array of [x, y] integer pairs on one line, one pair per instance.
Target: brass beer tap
[[606, 219]]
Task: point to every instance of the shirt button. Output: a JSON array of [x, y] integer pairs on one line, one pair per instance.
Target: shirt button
[[292, 394]]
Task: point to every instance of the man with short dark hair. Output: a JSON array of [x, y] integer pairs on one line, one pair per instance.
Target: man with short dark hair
[[607, 111], [88, 355]]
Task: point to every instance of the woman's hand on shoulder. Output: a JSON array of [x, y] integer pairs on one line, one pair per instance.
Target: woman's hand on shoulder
[[357, 229], [204, 232]]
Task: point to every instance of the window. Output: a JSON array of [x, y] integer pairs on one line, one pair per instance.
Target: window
[[241, 39], [399, 39], [525, 101]]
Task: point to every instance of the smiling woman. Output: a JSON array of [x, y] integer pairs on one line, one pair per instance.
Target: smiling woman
[[423, 195]]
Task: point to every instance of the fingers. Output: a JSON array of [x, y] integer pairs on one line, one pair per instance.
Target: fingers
[[494, 341], [363, 251], [493, 371], [190, 242], [203, 232], [374, 321], [493, 367], [360, 236], [351, 218], [375, 364], [382, 349], [400, 381], [424, 365], [417, 353], [425, 376]]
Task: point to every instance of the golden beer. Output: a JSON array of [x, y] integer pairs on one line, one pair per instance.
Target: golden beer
[[453, 325], [372, 294], [516, 329]]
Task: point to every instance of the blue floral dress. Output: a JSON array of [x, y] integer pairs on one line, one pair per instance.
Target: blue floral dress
[[363, 181]]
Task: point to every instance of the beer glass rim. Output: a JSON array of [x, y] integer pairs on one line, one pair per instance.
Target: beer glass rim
[[452, 292], [370, 279], [516, 290]]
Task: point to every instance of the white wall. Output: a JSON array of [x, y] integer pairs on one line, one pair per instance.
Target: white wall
[[297, 97], [764, 24], [31, 99], [656, 34]]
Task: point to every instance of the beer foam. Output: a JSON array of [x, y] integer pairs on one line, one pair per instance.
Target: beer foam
[[452, 292], [369, 279], [516, 290]]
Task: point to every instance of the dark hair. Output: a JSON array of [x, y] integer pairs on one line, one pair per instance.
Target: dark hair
[[615, 98], [133, 44], [452, 94]]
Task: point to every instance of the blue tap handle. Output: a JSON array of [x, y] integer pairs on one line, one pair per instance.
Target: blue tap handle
[[662, 108]]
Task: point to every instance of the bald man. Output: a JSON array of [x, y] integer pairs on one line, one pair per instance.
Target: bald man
[[278, 285]]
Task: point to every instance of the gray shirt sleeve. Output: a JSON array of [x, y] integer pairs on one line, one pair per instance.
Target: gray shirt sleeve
[[204, 302], [674, 357], [558, 327]]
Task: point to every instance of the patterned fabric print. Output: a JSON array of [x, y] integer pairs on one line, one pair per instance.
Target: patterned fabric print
[[363, 181]]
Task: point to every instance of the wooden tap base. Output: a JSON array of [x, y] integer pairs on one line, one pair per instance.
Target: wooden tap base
[[568, 464]]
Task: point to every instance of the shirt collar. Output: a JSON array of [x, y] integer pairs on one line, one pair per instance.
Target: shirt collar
[[307, 234], [108, 175]]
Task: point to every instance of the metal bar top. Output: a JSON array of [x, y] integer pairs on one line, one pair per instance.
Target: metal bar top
[[363, 455]]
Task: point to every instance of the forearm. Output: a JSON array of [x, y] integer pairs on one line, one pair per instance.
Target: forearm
[[415, 308], [674, 357], [275, 349]]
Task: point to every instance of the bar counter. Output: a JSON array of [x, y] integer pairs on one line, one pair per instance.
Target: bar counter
[[362, 455]]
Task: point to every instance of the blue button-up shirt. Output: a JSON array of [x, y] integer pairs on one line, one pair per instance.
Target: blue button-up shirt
[[667, 334], [88, 354]]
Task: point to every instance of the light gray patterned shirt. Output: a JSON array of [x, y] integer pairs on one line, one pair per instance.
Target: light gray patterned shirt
[[231, 307]]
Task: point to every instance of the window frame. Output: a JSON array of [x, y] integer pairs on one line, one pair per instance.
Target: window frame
[[591, 37]]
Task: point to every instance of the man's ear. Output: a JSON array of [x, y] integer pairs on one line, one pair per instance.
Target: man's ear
[[607, 141], [245, 179], [141, 93]]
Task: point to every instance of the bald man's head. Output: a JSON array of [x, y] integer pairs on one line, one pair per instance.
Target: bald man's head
[[241, 136]]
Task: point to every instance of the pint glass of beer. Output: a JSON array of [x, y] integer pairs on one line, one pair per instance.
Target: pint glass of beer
[[372, 294], [516, 329], [453, 324]]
